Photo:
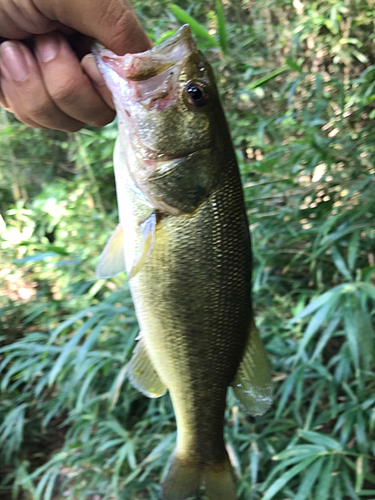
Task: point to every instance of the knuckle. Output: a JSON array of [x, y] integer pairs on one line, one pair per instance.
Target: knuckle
[[26, 120], [66, 93], [40, 110]]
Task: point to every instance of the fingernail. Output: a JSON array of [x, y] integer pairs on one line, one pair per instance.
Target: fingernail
[[91, 69], [13, 62], [48, 47]]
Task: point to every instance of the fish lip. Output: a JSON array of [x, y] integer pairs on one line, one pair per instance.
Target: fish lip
[[141, 66], [153, 74], [144, 65]]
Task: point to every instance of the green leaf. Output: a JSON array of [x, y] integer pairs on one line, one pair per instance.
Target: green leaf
[[340, 264], [221, 26], [321, 439], [368, 289], [318, 302], [267, 78], [165, 36], [320, 317], [351, 330], [293, 65], [38, 257], [353, 249], [57, 249], [327, 334], [309, 480], [325, 482], [69, 348], [196, 28], [287, 388], [51, 483], [286, 477]]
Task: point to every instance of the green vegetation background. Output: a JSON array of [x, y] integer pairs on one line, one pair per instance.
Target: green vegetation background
[[298, 85]]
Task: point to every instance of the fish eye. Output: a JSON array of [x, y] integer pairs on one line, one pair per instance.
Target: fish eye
[[196, 94]]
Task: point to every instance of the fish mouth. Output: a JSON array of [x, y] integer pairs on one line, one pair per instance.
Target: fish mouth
[[147, 65], [154, 74], [149, 79]]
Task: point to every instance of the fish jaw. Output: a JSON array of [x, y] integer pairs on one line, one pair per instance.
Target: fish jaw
[[147, 77]]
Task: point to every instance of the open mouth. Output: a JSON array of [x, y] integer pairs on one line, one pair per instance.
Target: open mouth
[[152, 75], [148, 79]]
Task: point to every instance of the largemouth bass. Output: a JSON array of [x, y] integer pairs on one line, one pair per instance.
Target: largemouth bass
[[183, 240]]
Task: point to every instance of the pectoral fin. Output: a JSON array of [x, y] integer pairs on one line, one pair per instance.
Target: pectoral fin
[[142, 374], [112, 260], [148, 230], [252, 384]]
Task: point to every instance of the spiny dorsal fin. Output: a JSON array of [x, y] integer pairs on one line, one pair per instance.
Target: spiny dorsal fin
[[112, 260], [252, 384], [142, 374]]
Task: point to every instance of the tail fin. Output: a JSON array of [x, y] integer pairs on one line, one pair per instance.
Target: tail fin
[[184, 480], [219, 482]]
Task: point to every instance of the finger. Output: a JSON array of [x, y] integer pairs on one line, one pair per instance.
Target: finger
[[67, 84], [19, 20], [112, 22], [23, 88], [91, 69], [3, 101]]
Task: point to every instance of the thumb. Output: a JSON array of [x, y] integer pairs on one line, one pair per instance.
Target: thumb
[[112, 22]]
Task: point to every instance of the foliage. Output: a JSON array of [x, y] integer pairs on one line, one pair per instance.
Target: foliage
[[297, 82]]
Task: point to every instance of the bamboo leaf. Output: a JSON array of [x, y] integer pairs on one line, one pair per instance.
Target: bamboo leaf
[[309, 480], [318, 302], [267, 78], [325, 482], [351, 330], [196, 28], [293, 65], [320, 317], [321, 439], [340, 264], [286, 477], [221, 27], [353, 249], [56, 369]]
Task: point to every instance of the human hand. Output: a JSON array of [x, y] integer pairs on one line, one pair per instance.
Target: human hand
[[49, 87]]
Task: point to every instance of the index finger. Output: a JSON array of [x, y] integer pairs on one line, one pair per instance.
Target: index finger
[[112, 22]]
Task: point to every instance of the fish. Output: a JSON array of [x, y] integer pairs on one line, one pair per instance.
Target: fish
[[183, 240]]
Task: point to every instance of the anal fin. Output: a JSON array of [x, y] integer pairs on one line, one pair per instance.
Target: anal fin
[[252, 384], [142, 374], [112, 260]]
